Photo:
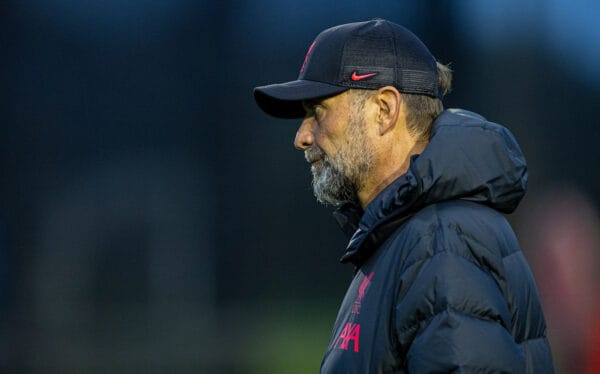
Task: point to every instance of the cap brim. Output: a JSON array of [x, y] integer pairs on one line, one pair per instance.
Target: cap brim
[[284, 100]]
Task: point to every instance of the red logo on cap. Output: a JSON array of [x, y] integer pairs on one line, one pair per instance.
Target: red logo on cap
[[307, 56], [359, 77]]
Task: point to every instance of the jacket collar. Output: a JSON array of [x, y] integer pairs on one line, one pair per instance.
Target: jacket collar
[[467, 158]]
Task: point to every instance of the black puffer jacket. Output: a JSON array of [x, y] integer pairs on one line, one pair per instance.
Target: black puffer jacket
[[441, 284]]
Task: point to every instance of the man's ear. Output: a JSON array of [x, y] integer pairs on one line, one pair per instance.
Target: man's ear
[[389, 101]]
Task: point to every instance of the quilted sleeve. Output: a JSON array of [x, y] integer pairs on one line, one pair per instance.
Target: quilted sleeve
[[451, 316]]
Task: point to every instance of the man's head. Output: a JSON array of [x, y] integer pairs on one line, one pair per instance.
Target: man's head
[[368, 93]]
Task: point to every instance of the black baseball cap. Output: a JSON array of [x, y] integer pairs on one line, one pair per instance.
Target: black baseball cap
[[366, 55]]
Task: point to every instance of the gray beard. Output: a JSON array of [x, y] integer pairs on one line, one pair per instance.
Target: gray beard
[[331, 186]]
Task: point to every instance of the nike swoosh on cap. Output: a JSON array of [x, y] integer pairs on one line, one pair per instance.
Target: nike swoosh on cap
[[358, 77]]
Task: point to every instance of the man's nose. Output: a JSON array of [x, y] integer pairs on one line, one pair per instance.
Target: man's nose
[[304, 137]]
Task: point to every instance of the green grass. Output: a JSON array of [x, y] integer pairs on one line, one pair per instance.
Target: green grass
[[291, 340]]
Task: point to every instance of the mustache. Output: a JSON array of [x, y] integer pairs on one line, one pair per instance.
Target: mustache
[[313, 154]]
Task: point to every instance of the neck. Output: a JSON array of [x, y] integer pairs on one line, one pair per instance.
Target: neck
[[387, 171]]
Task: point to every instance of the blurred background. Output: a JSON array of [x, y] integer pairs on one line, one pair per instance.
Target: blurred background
[[152, 219]]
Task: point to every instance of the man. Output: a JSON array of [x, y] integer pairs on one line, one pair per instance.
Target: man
[[440, 284]]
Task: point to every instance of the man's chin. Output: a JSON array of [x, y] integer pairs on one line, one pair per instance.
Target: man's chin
[[327, 196], [316, 169]]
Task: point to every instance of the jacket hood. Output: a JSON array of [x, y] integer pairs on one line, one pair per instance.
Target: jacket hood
[[467, 158]]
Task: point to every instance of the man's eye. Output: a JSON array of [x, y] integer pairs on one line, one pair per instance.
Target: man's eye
[[308, 109], [318, 111]]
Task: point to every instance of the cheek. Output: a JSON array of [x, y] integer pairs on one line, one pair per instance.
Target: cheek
[[330, 139], [324, 142]]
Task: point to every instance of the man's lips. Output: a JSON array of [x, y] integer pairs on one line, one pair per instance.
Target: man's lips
[[314, 157], [311, 159]]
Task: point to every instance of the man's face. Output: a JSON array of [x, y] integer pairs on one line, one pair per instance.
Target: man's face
[[334, 138]]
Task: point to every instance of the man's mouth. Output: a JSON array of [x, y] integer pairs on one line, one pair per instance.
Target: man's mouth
[[312, 155], [316, 166]]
